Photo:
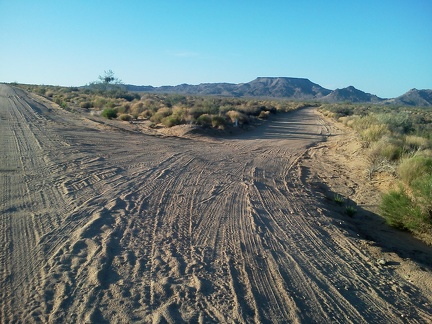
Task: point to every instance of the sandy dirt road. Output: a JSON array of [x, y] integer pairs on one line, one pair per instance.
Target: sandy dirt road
[[100, 224]]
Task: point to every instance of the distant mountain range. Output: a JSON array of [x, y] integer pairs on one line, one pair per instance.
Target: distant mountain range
[[290, 88]]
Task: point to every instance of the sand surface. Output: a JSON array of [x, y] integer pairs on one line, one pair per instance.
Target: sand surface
[[103, 223]]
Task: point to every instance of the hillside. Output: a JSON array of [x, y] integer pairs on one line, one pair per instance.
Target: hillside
[[278, 87], [414, 97]]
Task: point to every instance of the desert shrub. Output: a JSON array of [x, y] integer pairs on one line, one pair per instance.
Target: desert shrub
[[413, 142], [109, 113], [173, 99], [398, 210], [225, 108], [180, 113], [147, 102], [123, 109], [251, 109], [128, 96], [170, 121], [137, 108], [244, 119], [364, 122], [233, 115], [204, 120], [196, 112], [342, 111], [422, 193], [374, 132], [386, 148], [61, 102], [41, 91], [210, 106], [99, 102], [415, 167], [125, 117], [160, 114], [110, 104], [397, 122], [241, 118], [218, 121], [146, 113], [86, 104]]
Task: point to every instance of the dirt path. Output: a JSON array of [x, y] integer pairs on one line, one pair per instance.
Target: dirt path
[[100, 224]]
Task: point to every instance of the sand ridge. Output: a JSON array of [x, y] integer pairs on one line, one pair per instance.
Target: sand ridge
[[104, 223]]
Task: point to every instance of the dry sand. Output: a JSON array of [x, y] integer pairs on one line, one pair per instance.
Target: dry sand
[[106, 222]]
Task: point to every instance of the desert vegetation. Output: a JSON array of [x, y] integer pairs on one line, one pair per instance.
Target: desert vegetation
[[398, 140], [165, 110]]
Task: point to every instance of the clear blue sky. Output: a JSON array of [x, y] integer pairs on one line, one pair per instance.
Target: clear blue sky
[[379, 46]]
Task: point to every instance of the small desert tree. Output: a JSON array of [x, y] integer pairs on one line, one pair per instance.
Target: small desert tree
[[107, 83]]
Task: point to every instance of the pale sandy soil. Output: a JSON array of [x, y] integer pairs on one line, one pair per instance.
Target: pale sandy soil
[[101, 222]]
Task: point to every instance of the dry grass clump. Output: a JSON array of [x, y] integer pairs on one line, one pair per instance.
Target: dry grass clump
[[415, 167], [417, 142], [125, 117], [386, 148], [374, 132]]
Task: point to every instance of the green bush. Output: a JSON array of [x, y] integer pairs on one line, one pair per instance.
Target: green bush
[[339, 199], [422, 193], [204, 120], [170, 121], [109, 113], [398, 210]]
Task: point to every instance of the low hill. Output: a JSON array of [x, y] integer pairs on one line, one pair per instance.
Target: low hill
[[351, 94], [414, 97]]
